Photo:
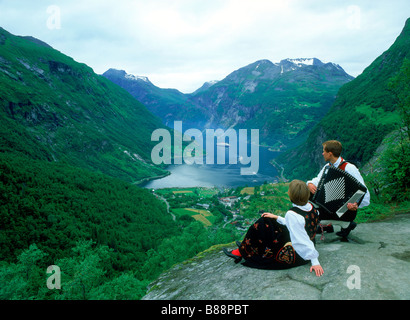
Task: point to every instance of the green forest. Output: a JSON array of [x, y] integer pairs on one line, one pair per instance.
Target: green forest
[[109, 238]]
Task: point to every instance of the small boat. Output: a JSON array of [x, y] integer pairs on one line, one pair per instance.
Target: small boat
[[222, 144]]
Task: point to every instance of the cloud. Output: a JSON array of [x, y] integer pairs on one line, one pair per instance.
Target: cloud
[[183, 43]]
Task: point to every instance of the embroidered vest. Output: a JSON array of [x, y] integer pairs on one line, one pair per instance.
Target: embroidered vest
[[342, 164], [311, 221]]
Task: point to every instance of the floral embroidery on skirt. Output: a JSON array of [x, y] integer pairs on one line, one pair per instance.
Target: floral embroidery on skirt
[[267, 245], [287, 254]]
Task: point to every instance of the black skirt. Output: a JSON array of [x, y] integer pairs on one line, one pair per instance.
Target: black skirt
[[267, 246]]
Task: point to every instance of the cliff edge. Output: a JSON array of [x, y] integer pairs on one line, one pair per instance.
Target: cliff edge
[[375, 264]]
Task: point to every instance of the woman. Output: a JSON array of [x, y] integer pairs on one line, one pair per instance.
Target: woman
[[274, 242]]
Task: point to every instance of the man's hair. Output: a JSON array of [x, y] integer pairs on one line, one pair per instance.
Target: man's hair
[[298, 192], [334, 147]]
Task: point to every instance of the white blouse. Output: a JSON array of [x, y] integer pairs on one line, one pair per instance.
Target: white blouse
[[298, 235]]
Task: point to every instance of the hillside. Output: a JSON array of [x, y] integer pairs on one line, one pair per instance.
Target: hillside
[[55, 206], [55, 109], [71, 145], [364, 112], [262, 95]]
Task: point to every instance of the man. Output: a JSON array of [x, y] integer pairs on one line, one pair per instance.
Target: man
[[332, 151]]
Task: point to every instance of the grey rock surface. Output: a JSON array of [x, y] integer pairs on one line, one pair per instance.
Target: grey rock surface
[[374, 264]]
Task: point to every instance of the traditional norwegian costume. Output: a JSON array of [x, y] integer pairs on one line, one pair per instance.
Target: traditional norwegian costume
[[283, 243]]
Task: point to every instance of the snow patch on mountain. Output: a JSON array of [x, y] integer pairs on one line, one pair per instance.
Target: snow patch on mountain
[[135, 78], [302, 61]]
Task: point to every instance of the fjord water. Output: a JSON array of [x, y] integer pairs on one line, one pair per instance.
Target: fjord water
[[218, 175]]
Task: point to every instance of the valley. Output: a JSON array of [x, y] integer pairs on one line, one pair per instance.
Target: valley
[[75, 144]]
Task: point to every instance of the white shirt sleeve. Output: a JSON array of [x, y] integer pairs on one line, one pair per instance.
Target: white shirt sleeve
[[299, 237], [316, 180], [352, 170], [281, 220]]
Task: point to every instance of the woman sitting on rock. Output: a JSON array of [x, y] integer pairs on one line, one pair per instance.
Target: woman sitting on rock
[[274, 242]]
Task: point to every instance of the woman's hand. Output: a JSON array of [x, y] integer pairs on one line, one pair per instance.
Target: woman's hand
[[269, 215], [318, 270]]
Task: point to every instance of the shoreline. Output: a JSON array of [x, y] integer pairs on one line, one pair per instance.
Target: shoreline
[[148, 179], [278, 178], [280, 170]]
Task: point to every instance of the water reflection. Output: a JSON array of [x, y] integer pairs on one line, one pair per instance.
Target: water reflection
[[219, 175]]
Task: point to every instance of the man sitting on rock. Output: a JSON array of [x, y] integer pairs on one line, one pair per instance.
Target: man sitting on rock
[[332, 151]]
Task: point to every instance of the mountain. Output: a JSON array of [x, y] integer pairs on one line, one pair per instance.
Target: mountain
[[205, 86], [168, 104], [283, 100], [364, 112], [55, 109]]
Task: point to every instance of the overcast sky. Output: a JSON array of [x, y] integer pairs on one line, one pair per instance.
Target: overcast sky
[[183, 43]]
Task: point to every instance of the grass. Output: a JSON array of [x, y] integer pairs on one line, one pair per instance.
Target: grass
[[202, 219], [199, 191], [379, 114], [203, 216], [248, 190], [182, 191], [205, 213], [379, 211]]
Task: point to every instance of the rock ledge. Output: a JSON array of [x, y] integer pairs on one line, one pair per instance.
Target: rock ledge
[[375, 264]]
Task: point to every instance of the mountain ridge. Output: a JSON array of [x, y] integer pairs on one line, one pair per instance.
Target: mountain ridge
[[66, 112], [247, 96]]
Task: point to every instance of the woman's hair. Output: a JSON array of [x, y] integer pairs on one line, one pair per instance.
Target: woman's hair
[[334, 147], [299, 192]]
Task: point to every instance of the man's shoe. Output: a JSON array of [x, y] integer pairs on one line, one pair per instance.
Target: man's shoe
[[229, 254], [344, 232]]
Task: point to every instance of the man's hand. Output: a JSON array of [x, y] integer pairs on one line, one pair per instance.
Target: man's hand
[[312, 188], [352, 206], [318, 270]]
